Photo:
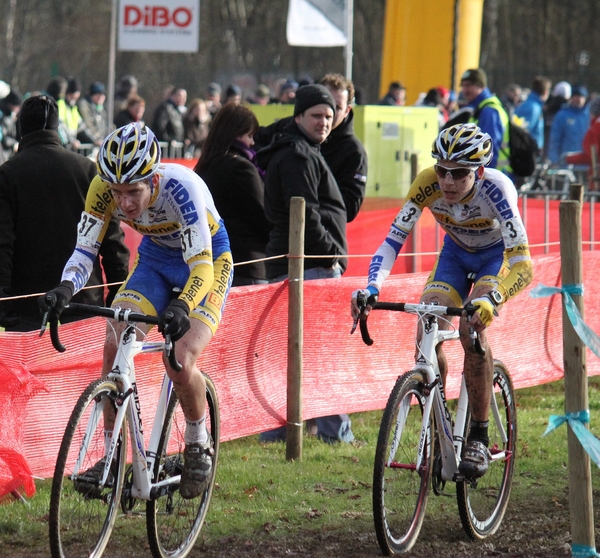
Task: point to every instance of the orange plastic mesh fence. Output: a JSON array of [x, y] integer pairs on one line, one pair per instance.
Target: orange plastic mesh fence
[[247, 360]]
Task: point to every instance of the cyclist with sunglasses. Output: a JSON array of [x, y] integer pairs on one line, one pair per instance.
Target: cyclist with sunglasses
[[485, 258]]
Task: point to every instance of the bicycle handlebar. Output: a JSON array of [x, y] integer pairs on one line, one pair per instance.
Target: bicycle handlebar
[[411, 308], [118, 314]]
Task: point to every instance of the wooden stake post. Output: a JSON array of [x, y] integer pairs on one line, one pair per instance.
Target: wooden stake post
[[576, 386], [295, 329]]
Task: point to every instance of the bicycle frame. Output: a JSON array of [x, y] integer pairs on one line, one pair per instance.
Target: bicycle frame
[[128, 405], [450, 433]]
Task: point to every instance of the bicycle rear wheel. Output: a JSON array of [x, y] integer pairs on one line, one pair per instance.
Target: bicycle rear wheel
[[80, 522], [482, 503], [174, 523], [400, 487]]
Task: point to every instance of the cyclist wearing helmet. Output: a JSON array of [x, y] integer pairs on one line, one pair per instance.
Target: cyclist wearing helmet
[[485, 258], [185, 246]]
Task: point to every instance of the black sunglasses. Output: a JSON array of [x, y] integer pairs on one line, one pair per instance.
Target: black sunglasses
[[457, 173]]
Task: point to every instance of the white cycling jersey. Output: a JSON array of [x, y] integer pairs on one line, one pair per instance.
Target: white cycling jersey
[[487, 217]]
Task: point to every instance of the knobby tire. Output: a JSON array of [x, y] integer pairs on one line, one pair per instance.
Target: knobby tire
[[81, 524], [400, 492], [174, 523], [482, 503]]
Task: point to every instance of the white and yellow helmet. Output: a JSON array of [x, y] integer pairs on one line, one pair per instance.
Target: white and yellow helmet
[[464, 144], [128, 155]]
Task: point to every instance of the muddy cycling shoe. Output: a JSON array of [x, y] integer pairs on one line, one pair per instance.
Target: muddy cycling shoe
[[197, 469], [88, 482], [475, 460]]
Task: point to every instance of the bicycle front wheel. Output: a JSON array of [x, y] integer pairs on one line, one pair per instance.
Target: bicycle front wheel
[[482, 503], [81, 519], [174, 523], [400, 480]]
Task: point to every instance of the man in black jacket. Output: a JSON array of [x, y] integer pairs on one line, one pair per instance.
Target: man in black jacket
[[294, 167], [42, 194], [342, 150]]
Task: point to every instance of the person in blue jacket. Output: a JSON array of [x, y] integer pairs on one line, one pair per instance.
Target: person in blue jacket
[[532, 109], [569, 127]]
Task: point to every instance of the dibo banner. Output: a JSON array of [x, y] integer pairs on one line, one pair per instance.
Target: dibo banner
[[161, 25]]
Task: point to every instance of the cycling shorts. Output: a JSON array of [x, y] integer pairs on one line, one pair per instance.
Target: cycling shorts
[[159, 270], [457, 270]]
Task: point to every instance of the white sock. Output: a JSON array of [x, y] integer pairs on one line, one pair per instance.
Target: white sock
[[195, 431]]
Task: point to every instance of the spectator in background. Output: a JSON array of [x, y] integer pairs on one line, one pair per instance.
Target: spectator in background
[[342, 150], [590, 140], [213, 98], [42, 193], [196, 123], [228, 166], [295, 167], [262, 95], [233, 94], [93, 113], [434, 99], [287, 92], [68, 113], [57, 89], [569, 127], [395, 97], [445, 97], [532, 109], [511, 98], [134, 110], [168, 118], [559, 98], [491, 117], [10, 106], [127, 87]]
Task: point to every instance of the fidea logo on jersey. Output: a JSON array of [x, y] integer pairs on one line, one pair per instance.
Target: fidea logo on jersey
[[163, 25]]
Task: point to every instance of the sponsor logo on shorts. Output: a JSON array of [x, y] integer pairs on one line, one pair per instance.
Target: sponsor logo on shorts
[[129, 296]]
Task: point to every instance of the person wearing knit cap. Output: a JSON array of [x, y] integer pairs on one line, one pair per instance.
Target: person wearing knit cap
[[94, 115], [68, 113], [491, 116], [295, 168], [42, 193]]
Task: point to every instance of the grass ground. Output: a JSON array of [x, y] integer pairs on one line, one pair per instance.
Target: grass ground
[[320, 506]]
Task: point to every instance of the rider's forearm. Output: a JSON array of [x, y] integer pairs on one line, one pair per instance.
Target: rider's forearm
[[520, 275]]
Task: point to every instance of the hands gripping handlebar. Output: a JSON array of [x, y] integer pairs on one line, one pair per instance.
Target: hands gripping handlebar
[[468, 311], [118, 314]]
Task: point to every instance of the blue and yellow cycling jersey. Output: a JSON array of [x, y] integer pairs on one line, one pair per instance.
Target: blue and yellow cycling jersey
[[181, 217], [487, 217]]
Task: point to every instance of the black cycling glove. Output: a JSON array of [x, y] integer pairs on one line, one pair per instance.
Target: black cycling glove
[[175, 321], [54, 301]]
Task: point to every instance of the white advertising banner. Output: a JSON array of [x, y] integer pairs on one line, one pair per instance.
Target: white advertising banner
[[317, 23], [160, 26]]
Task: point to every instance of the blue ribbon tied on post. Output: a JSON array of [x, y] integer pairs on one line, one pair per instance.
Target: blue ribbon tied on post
[[576, 421]]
